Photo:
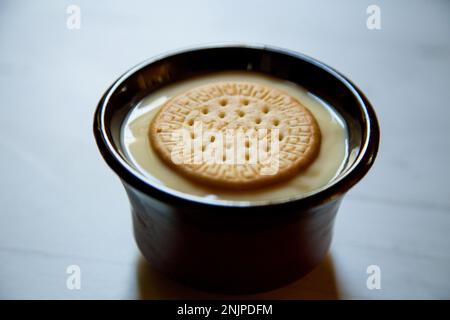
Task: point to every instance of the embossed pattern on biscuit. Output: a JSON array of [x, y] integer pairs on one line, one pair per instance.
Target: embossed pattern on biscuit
[[253, 135]]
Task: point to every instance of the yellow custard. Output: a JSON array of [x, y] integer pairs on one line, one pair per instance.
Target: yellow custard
[[330, 160]]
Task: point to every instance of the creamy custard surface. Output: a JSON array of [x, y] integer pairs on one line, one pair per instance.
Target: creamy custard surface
[[328, 164]]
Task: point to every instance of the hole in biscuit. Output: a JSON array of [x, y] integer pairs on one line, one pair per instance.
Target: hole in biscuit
[[222, 115], [241, 113], [265, 109], [247, 144], [158, 130], [276, 122], [203, 147], [280, 137], [212, 139], [245, 102], [190, 122], [205, 110], [258, 120], [247, 156], [192, 135], [223, 102]]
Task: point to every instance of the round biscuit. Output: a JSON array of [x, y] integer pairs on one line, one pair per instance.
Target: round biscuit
[[224, 110]]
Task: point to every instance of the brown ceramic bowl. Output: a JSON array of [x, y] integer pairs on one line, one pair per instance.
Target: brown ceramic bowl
[[243, 247]]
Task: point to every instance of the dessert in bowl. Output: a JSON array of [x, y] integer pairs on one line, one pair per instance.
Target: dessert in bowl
[[235, 159]]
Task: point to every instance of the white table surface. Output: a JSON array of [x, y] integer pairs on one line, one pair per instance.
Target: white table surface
[[61, 205]]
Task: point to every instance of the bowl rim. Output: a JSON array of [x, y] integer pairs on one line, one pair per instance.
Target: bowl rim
[[334, 189]]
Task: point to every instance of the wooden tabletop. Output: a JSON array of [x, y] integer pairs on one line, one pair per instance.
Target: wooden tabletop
[[61, 205]]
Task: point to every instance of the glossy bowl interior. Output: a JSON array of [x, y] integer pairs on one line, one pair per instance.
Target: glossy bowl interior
[[297, 220], [316, 77]]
